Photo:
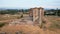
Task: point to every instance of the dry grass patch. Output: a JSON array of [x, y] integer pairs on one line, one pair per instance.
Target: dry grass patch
[[9, 17], [55, 25]]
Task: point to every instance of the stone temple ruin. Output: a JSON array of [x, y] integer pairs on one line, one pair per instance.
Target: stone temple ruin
[[34, 17], [37, 15]]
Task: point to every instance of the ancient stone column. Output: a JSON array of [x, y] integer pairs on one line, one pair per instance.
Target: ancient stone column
[[30, 12], [35, 14], [41, 15]]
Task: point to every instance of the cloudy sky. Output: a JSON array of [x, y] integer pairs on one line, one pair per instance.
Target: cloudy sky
[[29, 3]]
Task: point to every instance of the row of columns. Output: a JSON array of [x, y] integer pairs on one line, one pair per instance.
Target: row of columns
[[37, 14]]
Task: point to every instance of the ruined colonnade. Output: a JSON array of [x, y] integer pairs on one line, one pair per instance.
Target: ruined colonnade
[[37, 14]]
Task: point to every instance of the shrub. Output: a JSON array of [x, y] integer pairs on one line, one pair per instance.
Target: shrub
[[2, 24], [21, 16]]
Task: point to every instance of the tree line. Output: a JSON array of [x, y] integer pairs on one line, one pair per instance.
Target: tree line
[[52, 12], [13, 11]]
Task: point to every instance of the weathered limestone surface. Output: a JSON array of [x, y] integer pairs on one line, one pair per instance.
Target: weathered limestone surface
[[37, 15]]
